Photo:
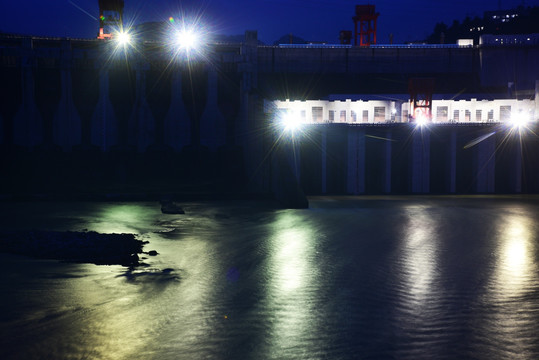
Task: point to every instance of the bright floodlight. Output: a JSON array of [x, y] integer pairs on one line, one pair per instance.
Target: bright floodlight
[[123, 38], [290, 122], [421, 120], [519, 120], [187, 40]]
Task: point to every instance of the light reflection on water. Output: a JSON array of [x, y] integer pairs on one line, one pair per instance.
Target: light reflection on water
[[515, 265], [512, 289], [292, 283], [346, 278], [419, 256]]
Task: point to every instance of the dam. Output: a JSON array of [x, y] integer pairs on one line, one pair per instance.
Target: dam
[[78, 111]]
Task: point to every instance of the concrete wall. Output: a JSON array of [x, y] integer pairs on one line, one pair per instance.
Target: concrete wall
[[83, 107], [402, 158]]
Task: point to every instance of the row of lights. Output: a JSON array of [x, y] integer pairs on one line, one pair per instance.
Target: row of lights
[[187, 38], [289, 122]]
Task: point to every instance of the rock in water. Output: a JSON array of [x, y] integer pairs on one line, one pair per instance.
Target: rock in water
[[170, 207], [86, 247]]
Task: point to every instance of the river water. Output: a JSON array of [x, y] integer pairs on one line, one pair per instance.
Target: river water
[[358, 277]]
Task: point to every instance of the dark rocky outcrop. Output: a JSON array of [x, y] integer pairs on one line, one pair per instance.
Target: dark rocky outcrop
[[84, 247]]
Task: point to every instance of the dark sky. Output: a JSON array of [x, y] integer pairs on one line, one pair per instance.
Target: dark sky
[[313, 20]]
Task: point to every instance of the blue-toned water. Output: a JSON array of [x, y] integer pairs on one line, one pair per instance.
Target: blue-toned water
[[363, 277]]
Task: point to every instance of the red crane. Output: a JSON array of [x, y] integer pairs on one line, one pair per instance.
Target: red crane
[[366, 17], [110, 17]]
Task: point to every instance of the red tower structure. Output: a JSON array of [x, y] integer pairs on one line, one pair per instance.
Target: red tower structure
[[366, 17], [110, 17], [421, 90]]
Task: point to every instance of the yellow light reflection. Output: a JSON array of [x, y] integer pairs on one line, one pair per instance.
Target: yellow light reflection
[[514, 276], [515, 264], [289, 258], [120, 218], [515, 254], [419, 258], [293, 276]]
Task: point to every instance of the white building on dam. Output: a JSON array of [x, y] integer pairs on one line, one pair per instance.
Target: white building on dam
[[367, 110]]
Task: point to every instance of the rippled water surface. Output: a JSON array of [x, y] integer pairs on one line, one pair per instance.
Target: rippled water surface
[[366, 278]]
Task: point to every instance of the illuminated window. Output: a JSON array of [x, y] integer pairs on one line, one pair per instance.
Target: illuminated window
[[505, 113], [467, 115], [343, 116], [303, 115], [353, 115], [317, 112], [441, 113], [365, 115], [456, 114], [379, 113], [478, 115], [331, 115], [490, 115]]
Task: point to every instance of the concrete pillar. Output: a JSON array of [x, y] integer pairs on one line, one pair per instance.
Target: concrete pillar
[[485, 165], [255, 147], [420, 161], [388, 162], [67, 127], [324, 159], [518, 171], [27, 124], [355, 183], [294, 157], [453, 161], [250, 122], [284, 185], [177, 122], [142, 131], [212, 122], [242, 124], [104, 126]]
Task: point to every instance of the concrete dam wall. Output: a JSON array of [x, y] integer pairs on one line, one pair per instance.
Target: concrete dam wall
[[404, 158], [73, 116]]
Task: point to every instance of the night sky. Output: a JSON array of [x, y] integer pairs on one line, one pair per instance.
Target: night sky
[[312, 20]]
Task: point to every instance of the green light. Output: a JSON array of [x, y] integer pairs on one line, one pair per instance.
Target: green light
[[102, 17], [171, 19]]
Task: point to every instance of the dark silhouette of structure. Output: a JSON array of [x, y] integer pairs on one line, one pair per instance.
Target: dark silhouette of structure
[[110, 17], [345, 37], [366, 17]]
